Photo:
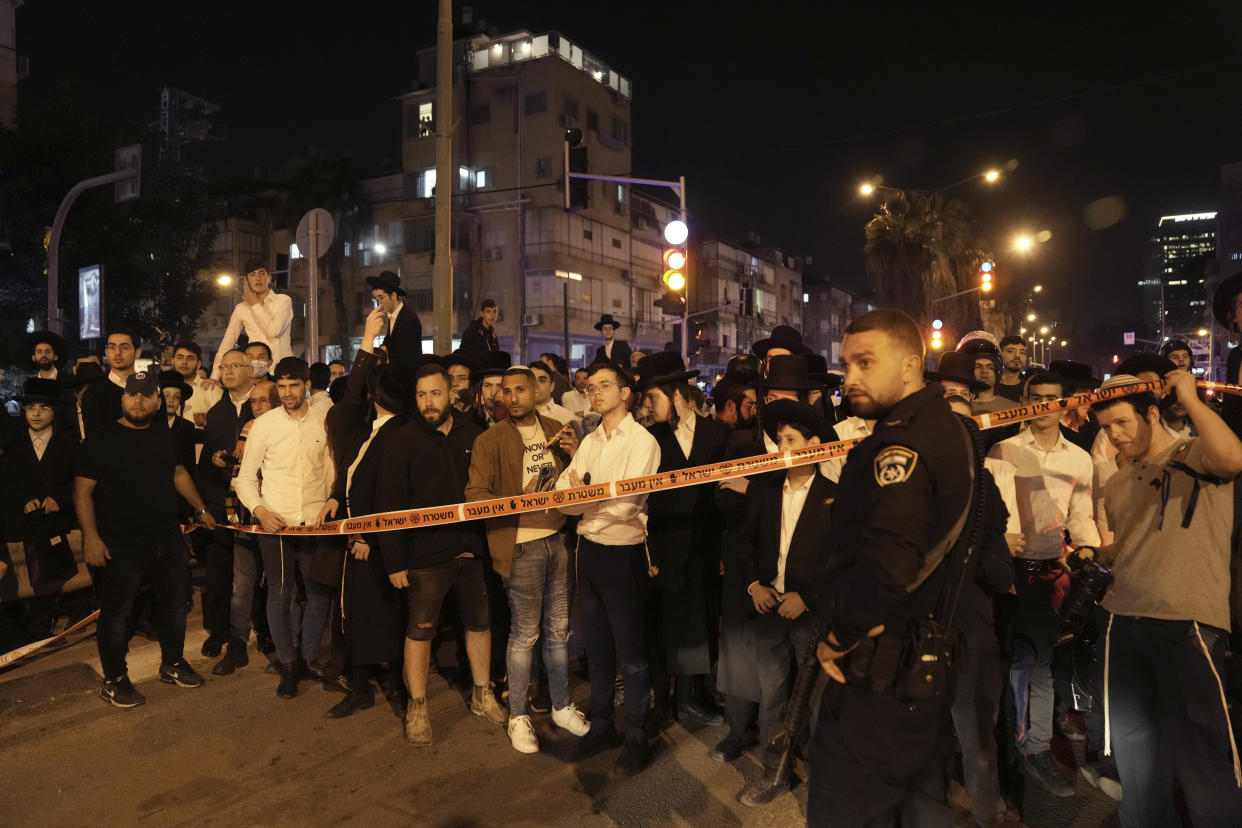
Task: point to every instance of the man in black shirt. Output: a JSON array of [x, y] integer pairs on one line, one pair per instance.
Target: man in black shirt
[[101, 403], [479, 338], [128, 514]]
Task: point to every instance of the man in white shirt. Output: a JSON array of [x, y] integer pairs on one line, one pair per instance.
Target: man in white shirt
[[187, 359], [288, 446], [320, 377], [613, 567], [544, 403], [575, 399], [264, 315], [1052, 479]]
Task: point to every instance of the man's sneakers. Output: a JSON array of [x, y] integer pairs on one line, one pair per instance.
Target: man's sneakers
[[120, 692], [595, 742], [730, 748], [522, 735], [1044, 769], [483, 703], [571, 719], [1102, 774], [181, 674]]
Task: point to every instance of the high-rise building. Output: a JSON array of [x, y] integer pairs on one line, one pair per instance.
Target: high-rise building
[[13, 67], [1179, 257]]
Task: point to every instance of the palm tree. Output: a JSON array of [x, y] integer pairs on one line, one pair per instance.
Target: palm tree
[[332, 185], [920, 249]]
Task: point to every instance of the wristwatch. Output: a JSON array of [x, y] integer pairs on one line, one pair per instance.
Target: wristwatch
[[200, 513]]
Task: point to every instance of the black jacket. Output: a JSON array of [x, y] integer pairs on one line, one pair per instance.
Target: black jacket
[[421, 467], [808, 549], [24, 477], [221, 433], [187, 438], [674, 505], [478, 340], [990, 571], [101, 404], [404, 342], [620, 354]]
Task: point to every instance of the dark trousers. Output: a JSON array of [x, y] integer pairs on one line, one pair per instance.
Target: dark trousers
[[1168, 722], [218, 593], [976, 700], [612, 588], [164, 566], [779, 645]]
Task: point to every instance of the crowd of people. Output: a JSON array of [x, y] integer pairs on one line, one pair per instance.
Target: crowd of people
[[949, 588]]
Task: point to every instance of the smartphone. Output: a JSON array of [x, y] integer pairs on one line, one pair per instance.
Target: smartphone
[[547, 479]]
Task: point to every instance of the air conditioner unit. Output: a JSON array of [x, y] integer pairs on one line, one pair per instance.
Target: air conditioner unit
[[530, 320]]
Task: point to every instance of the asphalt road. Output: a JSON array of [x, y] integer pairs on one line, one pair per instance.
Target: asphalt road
[[231, 753]]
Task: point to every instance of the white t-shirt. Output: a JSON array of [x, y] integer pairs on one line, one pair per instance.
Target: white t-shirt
[[535, 456]]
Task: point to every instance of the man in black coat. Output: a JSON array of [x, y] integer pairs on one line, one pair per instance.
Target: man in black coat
[[613, 350], [101, 402], [404, 342], [479, 338]]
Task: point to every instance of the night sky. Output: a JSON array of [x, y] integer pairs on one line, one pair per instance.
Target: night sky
[[774, 111]]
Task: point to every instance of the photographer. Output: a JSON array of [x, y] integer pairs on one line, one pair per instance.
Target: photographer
[[1172, 508]]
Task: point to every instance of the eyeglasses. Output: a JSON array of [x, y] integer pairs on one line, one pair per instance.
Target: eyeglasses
[[233, 366], [123, 347], [601, 388], [749, 405]]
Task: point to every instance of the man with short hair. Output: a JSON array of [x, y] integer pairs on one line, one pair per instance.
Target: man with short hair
[[1171, 506], [128, 539], [320, 377], [336, 370], [544, 404], [404, 342], [613, 566], [479, 338], [263, 315], [1179, 353], [521, 454], [48, 354], [613, 349], [987, 367], [260, 356], [101, 403], [1052, 480], [288, 447], [575, 399], [187, 359], [559, 368], [426, 463], [1013, 359]]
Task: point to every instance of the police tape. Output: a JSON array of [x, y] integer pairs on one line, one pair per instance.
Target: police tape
[[21, 652], [659, 482]]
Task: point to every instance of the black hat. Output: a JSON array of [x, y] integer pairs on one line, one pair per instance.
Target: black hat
[[41, 390], [1222, 301], [1176, 345], [172, 379], [782, 336], [1076, 374], [460, 357], [661, 367], [787, 372], [743, 369], [607, 319], [392, 386], [817, 370], [496, 362], [1138, 363], [387, 280], [959, 367], [84, 374], [57, 343], [799, 412]]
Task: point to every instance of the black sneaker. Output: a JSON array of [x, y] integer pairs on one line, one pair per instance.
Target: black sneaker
[[539, 700], [595, 742], [634, 757], [212, 647], [121, 693], [730, 749], [181, 674]]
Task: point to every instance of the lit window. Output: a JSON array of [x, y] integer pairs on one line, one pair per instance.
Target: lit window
[[480, 179], [464, 174], [425, 119], [294, 253], [426, 183]]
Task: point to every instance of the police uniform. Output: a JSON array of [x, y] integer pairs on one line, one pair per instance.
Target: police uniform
[[903, 491]]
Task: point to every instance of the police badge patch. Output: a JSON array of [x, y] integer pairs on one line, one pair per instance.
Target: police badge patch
[[895, 464]]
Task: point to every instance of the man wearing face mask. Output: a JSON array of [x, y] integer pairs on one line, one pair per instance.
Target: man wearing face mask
[[263, 315]]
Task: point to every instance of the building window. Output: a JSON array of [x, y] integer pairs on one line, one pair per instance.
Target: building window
[[588, 235], [426, 119], [480, 114], [536, 103], [571, 107], [426, 186], [464, 174], [616, 243], [543, 167], [481, 180], [592, 120], [420, 236], [621, 130]]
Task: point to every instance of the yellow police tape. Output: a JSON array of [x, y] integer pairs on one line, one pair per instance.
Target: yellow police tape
[[663, 481]]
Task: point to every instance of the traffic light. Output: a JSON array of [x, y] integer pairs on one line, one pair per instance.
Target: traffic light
[[672, 303], [699, 335], [579, 188], [937, 342], [676, 262], [985, 277]]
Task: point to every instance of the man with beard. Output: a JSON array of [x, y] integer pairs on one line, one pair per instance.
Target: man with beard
[[903, 497], [48, 353], [426, 463], [125, 492], [1013, 361]]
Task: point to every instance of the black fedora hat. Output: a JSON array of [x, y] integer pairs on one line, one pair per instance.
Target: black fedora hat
[[743, 369], [84, 374], [959, 367], [778, 411], [387, 280], [41, 390], [787, 372], [1075, 374], [817, 370], [392, 385], [1222, 301], [460, 357], [55, 340], [496, 362], [662, 367], [1136, 364], [606, 319], [783, 336], [172, 379]]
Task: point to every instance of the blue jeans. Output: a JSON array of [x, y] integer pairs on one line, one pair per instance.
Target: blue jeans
[[280, 556], [538, 590]]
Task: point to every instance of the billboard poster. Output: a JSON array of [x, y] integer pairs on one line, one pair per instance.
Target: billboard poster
[[90, 302]]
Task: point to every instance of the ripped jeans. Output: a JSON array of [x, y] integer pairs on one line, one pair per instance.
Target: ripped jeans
[[538, 590]]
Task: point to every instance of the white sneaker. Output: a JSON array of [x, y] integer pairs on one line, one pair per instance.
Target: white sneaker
[[571, 719], [522, 735]]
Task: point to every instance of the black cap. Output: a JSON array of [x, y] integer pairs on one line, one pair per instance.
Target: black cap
[[142, 382], [779, 411]]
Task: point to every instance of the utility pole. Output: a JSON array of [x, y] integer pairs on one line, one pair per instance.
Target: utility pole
[[442, 275]]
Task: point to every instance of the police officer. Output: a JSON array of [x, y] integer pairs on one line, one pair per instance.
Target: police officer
[[902, 501]]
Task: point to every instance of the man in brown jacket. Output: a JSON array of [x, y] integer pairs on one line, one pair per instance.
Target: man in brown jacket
[[525, 453]]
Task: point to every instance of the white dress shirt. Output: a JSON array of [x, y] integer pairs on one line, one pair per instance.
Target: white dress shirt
[[239, 401], [362, 450], [392, 317], [269, 322], [116, 379], [576, 401], [685, 434], [556, 412], [320, 401], [792, 500], [1053, 492], [292, 456], [631, 451], [1003, 474], [847, 429], [204, 397]]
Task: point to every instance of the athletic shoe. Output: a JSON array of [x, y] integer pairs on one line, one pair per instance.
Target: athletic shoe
[[181, 674], [120, 692], [1102, 774], [522, 735], [571, 719], [1043, 768]]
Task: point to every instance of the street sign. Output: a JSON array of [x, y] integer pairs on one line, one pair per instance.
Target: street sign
[[128, 189], [324, 227], [1127, 338]]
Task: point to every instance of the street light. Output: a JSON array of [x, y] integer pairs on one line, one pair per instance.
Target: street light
[[1030, 317], [224, 280], [1039, 288], [1203, 332], [1023, 243], [991, 176], [380, 248], [866, 189], [1044, 330]]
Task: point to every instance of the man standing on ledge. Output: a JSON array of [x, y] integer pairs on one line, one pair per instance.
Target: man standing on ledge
[[613, 349], [264, 315], [404, 342], [479, 339]]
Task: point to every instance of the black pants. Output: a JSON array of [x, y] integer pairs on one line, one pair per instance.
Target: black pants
[[1167, 719], [612, 588], [164, 566], [219, 589], [780, 644]]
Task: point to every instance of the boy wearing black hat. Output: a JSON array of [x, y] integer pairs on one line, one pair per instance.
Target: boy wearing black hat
[[613, 349], [404, 342]]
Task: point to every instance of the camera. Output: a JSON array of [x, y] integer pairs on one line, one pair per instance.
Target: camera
[[1088, 583]]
